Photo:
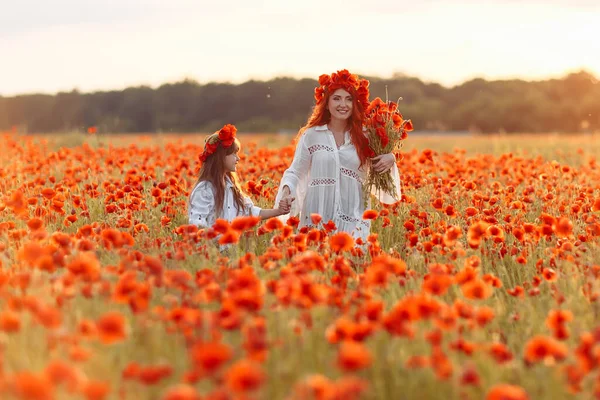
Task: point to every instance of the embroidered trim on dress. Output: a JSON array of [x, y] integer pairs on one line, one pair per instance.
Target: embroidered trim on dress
[[319, 147], [351, 174], [322, 182], [347, 218]]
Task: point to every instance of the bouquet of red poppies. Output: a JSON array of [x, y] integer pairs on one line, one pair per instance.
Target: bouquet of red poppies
[[386, 130]]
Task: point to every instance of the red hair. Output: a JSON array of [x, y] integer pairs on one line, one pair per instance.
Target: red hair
[[359, 90]]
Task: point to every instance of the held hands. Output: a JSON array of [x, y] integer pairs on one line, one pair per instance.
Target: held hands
[[383, 162], [285, 204]]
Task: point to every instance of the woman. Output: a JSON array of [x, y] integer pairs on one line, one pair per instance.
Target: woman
[[332, 158]]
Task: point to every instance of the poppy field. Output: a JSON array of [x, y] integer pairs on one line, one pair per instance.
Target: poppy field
[[483, 282]]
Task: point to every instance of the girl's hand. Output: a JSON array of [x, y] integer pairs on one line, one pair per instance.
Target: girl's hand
[[383, 162], [285, 205]]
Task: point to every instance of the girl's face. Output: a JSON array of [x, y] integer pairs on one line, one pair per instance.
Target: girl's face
[[232, 159], [340, 104]]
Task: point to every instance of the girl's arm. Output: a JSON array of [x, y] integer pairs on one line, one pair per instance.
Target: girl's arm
[[266, 213], [202, 206], [283, 207]]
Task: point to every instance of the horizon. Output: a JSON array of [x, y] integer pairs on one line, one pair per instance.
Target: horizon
[[397, 75], [90, 46]]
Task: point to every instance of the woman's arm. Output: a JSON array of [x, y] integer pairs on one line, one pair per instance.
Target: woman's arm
[[285, 191], [297, 171], [384, 162], [383, 197], [298, 168]]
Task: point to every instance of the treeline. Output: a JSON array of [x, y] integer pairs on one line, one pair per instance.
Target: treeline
[[570, 104]]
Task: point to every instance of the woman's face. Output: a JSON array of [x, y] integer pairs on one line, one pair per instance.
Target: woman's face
[[232, 159], [340, 104]]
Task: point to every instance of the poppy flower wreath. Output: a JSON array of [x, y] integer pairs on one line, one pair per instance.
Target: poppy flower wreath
[[225, 137], [343, 80]]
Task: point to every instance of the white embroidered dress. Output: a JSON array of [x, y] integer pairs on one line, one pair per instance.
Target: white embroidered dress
[[326, 180], [202, 211]]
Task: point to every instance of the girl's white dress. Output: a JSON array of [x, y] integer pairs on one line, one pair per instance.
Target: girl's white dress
[[202, 212], [327, 180]]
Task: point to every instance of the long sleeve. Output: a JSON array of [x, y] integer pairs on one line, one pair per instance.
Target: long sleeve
[[296, 177], [384, 197], [299, 167], [202, 205], [254, 210]]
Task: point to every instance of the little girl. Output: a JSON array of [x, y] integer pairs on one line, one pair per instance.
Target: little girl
[[217, 193]]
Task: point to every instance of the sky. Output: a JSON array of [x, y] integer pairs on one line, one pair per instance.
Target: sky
[[89, 45]]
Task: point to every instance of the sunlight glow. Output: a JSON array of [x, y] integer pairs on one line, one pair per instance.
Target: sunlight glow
[[67, 45]]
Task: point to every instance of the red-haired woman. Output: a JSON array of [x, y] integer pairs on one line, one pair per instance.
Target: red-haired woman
[[333, 156]]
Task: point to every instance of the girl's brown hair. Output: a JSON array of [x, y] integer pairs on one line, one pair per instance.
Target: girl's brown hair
[[213, 171]]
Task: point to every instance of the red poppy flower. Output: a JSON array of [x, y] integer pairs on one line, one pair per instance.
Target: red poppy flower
[[353, 356], [505, 391], [370, 214], [341, 241], [315, 219], [227, 135], [111, 327]]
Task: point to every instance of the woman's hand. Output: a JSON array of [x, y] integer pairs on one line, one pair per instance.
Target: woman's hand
[[285, 205], [383, 162]]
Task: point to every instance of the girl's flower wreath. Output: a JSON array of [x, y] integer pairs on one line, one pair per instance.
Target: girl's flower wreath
[[224, 137]]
